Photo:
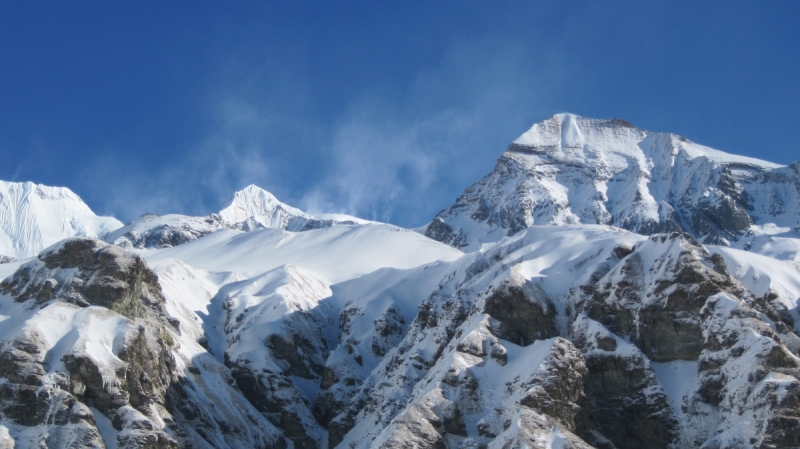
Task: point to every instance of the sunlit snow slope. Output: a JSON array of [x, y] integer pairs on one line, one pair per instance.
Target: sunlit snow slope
[[250, 208], [574, 170], [33, 217]]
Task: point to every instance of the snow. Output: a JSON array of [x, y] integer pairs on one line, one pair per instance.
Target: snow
[[7, 269], [571, 170], [262, 206], [335, 254], [102, 334], [695, 150], [539, 134], [150, 221], [372, 295], [557, 439], [762, 275], [106, 429], [5, 437], [261, 305], [576, 130], [343, 218], [780, 246], [33, 217], [66, 328], [558, 257], [678, 379]]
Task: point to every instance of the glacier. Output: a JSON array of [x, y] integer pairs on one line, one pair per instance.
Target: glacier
[[33, 217]]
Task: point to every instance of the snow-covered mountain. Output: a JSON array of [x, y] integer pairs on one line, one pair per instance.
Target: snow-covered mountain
[[250, 208], [254, 207], [573, 170], [261, 206], [621, 290], [33, 217]]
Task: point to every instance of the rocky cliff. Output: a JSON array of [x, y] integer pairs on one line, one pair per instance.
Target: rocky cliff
[[90, 360], [573, 170]]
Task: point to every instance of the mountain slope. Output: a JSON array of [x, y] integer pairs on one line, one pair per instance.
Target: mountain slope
[[589, 337], [263, 326], [250, 208], [269, 304], [574, 170], [261, 206], [33, 217]]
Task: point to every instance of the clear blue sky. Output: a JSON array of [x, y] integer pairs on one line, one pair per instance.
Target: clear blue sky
[[387, 110]]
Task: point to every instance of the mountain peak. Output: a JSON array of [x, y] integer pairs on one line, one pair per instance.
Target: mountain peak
[[571, 130], [34, 216], [259, 204], [570, 170]]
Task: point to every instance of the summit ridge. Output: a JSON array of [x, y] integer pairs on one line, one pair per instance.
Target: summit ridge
[[573, 170], [35, 216]]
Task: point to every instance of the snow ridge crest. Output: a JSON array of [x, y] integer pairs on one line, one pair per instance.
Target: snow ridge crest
[[35, 216], [574, 170]]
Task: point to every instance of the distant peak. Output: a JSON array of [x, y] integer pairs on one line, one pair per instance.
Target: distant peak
[[253, 201], [34, 216], [253, 191], [252, 188], [41, 190]]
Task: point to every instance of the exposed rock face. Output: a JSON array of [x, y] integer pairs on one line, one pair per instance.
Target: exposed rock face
[[572, 170], [524, 312], [745, 371], [87, 272], [680, 307], [97, 345], [656, 301], [480, 366], [152, 231], [624, 403], [635, 359], [104, 286], [274, 371], [6, 259]]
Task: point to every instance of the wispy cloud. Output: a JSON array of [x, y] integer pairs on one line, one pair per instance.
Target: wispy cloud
[[402, 160], [395, 153], [197, 181], [252, 132], [129, 189]]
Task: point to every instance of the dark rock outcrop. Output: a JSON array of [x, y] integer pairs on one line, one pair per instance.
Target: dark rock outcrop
[[524, 313], [115, 361], [654, 296]]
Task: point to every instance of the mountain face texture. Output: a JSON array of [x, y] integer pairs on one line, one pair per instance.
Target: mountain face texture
[[250, 208], [33, 217], [573, 170], [604, 287]]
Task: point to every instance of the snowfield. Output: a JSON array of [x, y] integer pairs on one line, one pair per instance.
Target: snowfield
[[33, 217]]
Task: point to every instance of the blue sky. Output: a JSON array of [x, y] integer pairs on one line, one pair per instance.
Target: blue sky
[[386, 110]]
